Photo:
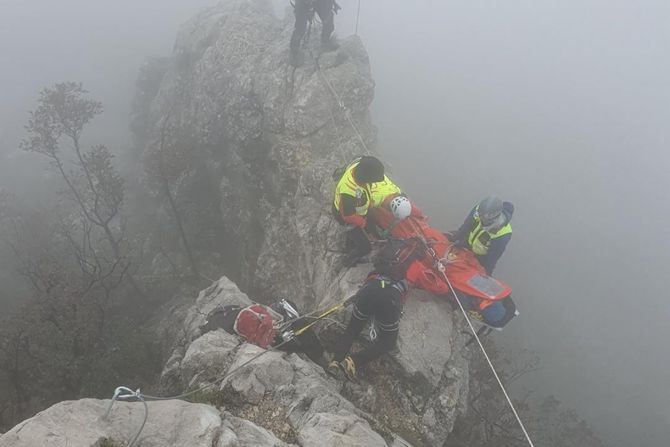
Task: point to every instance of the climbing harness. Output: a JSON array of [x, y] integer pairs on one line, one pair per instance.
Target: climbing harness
[[373, 329], [126, 394], [441, 268]]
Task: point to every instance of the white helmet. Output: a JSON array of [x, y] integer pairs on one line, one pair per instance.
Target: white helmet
[[401, 207]]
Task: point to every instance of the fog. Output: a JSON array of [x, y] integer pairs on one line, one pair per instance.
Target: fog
[[559, 107], [563, 109], [101, 43]]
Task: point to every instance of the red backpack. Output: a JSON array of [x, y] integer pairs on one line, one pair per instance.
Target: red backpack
[[254, 324]]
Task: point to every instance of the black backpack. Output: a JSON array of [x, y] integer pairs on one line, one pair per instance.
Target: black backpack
[[395, 257], [222, 317]]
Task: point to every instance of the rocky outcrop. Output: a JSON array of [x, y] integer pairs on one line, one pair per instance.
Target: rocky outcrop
[[263, 139], [281, 391], [280, 398], [84, 423], [417, 394]]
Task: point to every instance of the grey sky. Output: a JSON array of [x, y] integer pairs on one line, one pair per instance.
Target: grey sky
[[561, 107]]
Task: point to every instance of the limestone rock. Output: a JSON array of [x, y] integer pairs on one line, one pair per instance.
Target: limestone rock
[[325, 430], [263, 138], [237, 432], [223, 292], [208, 355], [82, 424], [425, 337], [425, 388]]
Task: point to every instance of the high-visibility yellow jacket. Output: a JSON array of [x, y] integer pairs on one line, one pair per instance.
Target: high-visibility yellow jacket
[[347, 185], [487, 245], [382, 190], [480, 239]]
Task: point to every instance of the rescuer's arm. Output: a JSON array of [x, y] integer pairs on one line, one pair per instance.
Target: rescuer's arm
[[348, 211]]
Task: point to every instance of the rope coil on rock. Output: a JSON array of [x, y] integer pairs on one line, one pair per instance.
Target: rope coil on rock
[[130, 394]]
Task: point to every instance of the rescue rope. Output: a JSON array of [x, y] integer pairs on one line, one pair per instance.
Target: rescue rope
[[441, 269], [358, 14], [439, 264], [138, 395], [323, 315], [344, 108]]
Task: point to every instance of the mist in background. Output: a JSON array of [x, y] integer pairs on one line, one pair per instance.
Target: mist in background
[[101, 43], [559, 107]]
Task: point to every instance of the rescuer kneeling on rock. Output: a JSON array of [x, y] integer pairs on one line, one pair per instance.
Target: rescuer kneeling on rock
[[486, 231], [380, 297], [352, 201]]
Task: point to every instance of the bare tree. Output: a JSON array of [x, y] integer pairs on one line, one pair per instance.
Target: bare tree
[[63, 341], [490, 422], [165, 163], [48, 345], [4, 203], [15, 367], [92, 181]]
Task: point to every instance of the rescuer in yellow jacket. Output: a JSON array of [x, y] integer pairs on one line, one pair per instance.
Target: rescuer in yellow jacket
[[360, 187]]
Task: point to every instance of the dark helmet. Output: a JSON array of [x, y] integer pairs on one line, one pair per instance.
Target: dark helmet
[[369, 170], [489, 209]]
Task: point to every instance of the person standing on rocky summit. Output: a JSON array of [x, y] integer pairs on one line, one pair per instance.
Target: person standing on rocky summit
[[304, 13]]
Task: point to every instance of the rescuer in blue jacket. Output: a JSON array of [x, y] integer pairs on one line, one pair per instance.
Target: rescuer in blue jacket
[[486, 231]]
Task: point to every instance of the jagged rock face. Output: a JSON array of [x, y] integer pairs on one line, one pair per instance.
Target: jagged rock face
[[287, 389], [280, 399], [265, 138], [83, 423], [418, 393]]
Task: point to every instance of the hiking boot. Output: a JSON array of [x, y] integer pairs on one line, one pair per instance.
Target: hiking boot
[[473, 314], [348, 367], [334, 369]]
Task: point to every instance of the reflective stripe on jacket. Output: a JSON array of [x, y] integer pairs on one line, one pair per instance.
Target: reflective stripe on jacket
[[479, 239], [347, 185], [380, 191]]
